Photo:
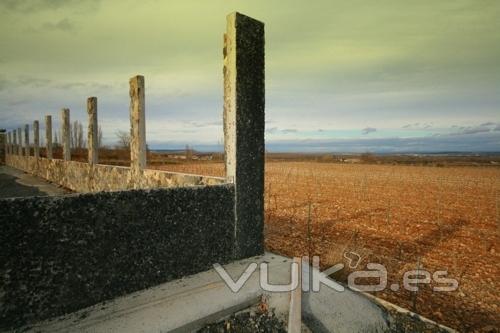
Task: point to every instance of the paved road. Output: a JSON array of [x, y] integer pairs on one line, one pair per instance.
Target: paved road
[[15, 183]]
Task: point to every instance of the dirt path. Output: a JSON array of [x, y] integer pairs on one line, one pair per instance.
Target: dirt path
[[15, 183]]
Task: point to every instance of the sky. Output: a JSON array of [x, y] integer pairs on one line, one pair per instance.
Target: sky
[[341, 76]]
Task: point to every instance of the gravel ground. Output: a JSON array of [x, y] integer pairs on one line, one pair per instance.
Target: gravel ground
[[247, 321], [10, 188], [412, 323]]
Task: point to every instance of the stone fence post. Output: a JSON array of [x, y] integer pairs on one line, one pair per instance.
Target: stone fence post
[[48, 136], [92, 130], [14, 142], [27, 140], [3, 145], [11, 140], [20, 144], [9, 143], [244, 129], [66, 135], [36, 139], [138, 127]]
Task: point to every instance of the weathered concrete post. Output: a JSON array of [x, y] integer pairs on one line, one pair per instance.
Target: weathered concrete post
[[11, 140], [92, 130], [3, 145], [20, 144], [14, 142], [9, 143], [48, 136], [66, 135], [244, 128], [137, 126], [36, 139], [27, 140]]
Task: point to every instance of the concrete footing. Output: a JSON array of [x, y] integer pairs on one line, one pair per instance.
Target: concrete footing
[[190, 303], [180, 306]]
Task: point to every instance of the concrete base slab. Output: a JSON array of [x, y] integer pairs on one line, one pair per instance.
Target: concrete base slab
[[188, 304], [181, 306], [332, 311]]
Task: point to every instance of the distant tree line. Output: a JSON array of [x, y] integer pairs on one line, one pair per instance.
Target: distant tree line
[[77, 137]]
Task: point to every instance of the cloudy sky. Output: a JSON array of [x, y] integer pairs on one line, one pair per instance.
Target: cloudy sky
[[340, 75]]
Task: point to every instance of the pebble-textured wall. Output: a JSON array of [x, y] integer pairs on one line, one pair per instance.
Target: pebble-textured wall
[[55, 260], [244, 119], [83, 177]]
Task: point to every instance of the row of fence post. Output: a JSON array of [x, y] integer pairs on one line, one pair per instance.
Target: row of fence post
[[243, 129], [14, 144]]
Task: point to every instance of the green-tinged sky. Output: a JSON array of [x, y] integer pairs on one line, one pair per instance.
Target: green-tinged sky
[[340, 75]]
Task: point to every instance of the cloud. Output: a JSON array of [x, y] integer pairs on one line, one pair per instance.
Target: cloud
[[276, 130], [337, 72], [18, 102], [475, 130], [418, 126], [204, 123], [3, 84], [368, 130], [483, 142], [62, 25], [33, 82], [36, 82], [34, 6], [272, 130], [468, 130]]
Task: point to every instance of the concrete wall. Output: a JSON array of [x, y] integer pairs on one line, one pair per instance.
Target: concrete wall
[[55, 259], [61, 254], [84, 177]]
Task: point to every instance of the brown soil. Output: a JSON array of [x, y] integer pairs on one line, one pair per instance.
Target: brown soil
[[400, 216]]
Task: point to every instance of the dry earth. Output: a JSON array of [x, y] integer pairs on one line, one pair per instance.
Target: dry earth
[[404, 217]]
